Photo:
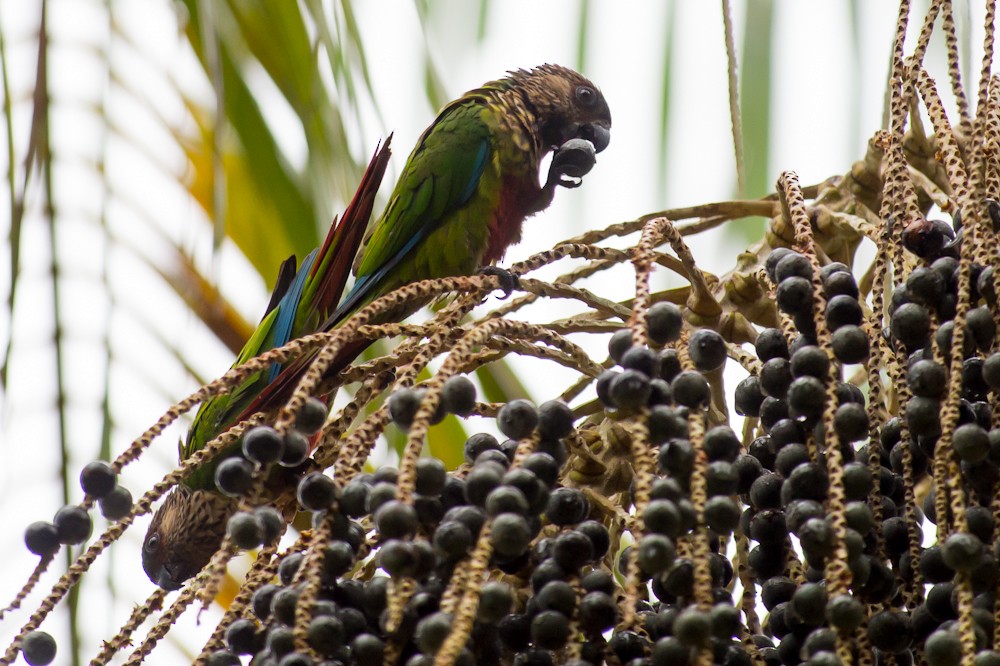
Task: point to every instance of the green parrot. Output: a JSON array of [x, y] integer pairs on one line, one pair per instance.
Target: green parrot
[[460, 201]]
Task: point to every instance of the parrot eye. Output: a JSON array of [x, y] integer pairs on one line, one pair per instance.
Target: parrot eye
[[586, 95], [152, 543]]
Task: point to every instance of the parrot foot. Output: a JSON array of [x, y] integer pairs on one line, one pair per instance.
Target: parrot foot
[[509, 281], [571, 162]]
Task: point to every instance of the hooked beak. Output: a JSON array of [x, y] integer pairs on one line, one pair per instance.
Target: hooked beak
[[597, 133]]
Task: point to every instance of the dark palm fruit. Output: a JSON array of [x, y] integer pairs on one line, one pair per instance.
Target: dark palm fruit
[[271, 522], [97, 478], [316, 492], [809, 603], [459, 395], [241, 636], [517, 419], [851, 422], [771, 263], [770, 344], [550, 630], [367, 649], [925, 286], [432, 631], [453, 539], [971, 442], [793, 265], [396, 520], [41, 538], [245, 530], [810, 360], [974, 387], [924, 238], [510, 534], [843, 310], [991, 371], [806, 397], [656, 553], [721, 443], [603, 387], [620, 343], [234, 476], [772, 410], [922, 417], [643, 359], [927, 379], [227, 658], [567, 506], [910, 324], [262, 445], [495, 601], [659, 393], [840, 283], [943, 648], [630, 390], [857, 481], [794, 296], [707, 350], [311, 417], [598, 535], [117, 504], [39, 648], [693, 627], [403, 406], [478, 443], [506, 499], [979, 322], [889, 631], [670, 364], [555, 419], [691, 390], [557, 595], [721, 514], [775, 377], [325, 634], [597, 613], [984, 285], [73, 524], [295, 449], [962, 551], [845, 612], [748, 396], [664, 322], [850, 344], [572, 550]]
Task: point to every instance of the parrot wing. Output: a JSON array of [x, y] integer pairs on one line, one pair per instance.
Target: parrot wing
[[440, 177]]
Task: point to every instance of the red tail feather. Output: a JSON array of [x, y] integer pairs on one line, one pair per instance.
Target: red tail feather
[[346, 235], [332, 267]]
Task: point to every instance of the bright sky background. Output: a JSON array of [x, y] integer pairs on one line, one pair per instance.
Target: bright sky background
[[822, 87]]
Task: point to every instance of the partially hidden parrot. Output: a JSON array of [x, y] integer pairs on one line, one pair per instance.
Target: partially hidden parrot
[[459, 203]]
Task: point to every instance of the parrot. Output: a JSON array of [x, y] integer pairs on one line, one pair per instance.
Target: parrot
[[459, 202]]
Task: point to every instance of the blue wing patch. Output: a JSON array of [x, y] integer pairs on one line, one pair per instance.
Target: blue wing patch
[[288, 307]]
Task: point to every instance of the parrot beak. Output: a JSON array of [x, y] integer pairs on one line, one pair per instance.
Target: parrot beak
[[598, 133]]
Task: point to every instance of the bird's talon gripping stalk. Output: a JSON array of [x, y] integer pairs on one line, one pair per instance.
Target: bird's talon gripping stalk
[[509, 281]]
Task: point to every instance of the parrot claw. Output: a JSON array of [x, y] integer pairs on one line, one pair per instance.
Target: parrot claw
[[509, 281], [571, 162]]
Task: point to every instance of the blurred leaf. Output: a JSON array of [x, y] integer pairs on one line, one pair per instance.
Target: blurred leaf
[[665, 96], [755, 100]]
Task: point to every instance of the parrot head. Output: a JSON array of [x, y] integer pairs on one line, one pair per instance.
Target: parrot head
[[184, 534], [567, 105]]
